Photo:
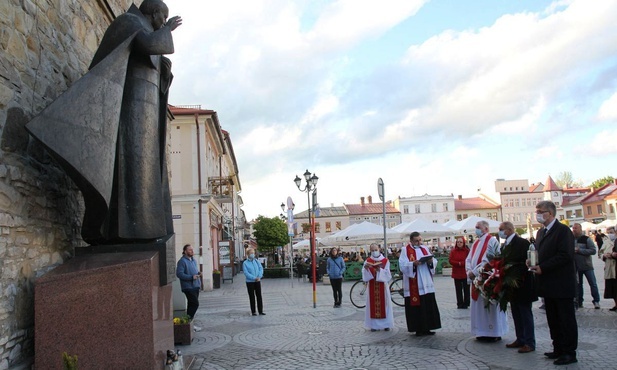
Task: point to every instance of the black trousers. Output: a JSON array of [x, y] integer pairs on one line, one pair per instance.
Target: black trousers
[[192, 297], [337, 290], [254, 290], [561, 318], [462, 292]]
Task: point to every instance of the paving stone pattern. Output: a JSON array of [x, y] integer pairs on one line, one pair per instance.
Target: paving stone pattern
[[294, 335]]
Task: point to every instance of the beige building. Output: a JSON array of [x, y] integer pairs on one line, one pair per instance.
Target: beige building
[[204, 186], [435, 208], [518, 200]]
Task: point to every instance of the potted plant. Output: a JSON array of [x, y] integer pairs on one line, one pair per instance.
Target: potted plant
[[216, 279], [446, 268], [183, 333]]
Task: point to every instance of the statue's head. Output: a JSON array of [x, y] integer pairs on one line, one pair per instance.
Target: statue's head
[[156, 11]]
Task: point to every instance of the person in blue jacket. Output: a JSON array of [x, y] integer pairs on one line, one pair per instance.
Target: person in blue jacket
[[190, 279], [335, 268], [253, 272]]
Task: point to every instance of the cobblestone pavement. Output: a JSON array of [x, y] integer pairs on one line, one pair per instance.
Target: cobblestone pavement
[[294, 335]]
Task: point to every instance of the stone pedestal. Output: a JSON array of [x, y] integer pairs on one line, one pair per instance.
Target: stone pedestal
[[108, 309]]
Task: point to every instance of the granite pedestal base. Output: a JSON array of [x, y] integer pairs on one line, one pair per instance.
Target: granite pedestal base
[[108, 309]]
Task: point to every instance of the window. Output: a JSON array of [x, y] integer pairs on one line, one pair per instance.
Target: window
[[516, 203], [328, 227], [557, 204], [561, 217], [599, 209], [406, 209], [465, 215], [338, 225], [434, 221], [445, 207], [433, 207], [579, 213], [568, 214], [611, 208], [588, 210], [317, 224], [417, 208], [459, 217], [477, 214]]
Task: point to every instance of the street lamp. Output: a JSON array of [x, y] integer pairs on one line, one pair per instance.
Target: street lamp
[[310, 187]]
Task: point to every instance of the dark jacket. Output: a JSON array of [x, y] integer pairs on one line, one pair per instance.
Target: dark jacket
[[515, 253], [586, 249], [556, 260]]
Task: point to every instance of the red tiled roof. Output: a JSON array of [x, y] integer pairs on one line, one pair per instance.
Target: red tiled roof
[[182, 111], [575, 190], [473, 203], [600, 194], [550, 185], [534, 187], [369, 209]]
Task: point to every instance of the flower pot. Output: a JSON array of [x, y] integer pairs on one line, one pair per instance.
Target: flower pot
[[216, 281], [183, 333], [446, 271]]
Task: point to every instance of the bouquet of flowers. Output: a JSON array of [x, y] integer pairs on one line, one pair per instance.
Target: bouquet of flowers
[[495, 282]]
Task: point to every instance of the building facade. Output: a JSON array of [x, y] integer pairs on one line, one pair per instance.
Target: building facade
[[205, 185], [436, 208], [477, 206], [518, 200]]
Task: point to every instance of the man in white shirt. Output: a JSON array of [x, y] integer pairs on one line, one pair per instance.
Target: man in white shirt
[[421, 311], [488, 324]]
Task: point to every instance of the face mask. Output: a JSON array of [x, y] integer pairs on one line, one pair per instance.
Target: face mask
[[375, 253], [479, 233], [502, 234], [252, 255], [612, 236], [540, 218]]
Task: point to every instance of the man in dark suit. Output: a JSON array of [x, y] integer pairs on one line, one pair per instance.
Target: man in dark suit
[[514, 253], [556, 277]]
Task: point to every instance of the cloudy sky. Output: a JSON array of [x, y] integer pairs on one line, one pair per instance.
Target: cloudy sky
[[436, 97]]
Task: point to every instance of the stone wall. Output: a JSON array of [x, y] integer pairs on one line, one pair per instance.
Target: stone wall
[[45, 46]]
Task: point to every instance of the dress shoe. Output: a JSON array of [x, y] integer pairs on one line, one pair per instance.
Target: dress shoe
[[387, 329], [262, 313], [515, 344], [565, 359], [254, 314], [489, 339], [526, 349], [552, 355], [373, 329], [613, 309], [424, 333]]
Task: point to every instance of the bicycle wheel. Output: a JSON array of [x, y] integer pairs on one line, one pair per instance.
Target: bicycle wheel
[[356, 294], [397, 292]]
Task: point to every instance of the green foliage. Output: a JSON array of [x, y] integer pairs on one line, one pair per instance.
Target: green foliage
[[270, 233], [70, 362], [601, 182], [565, 179], [276, 272]]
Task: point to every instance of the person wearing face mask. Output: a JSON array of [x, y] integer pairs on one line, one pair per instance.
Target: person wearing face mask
[[418, 267], [521, 297], [556, 278], [335, 267], [608, 254], [584, 248], [488, 324], [253, 272], [376, 273]]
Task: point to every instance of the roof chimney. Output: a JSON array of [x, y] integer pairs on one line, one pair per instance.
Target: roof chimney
[[460, 197], [370, 199], [362, 201]]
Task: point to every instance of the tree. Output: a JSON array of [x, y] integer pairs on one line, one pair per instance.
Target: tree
[[270, 233], [601, 182], [566, 180]]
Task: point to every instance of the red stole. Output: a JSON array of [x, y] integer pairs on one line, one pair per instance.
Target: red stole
[[376, 290], [475, 293], [414, 291]]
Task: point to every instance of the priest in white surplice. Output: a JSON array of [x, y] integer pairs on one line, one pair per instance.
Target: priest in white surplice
[[421, 311], [490, 323], [376, 273]]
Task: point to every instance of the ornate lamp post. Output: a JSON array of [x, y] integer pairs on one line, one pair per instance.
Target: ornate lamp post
[[310, 187]]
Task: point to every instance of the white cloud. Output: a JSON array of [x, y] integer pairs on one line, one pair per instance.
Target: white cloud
[[608, 109]]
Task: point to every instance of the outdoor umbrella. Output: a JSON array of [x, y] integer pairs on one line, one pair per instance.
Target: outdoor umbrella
[[468, 225], [425, 227], [358, 234]]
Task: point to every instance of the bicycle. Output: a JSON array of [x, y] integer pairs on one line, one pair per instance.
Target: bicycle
[[358, 291]]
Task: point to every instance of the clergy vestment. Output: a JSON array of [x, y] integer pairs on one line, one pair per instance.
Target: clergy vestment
[[378, 314], [491, 321], [421, 311]]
